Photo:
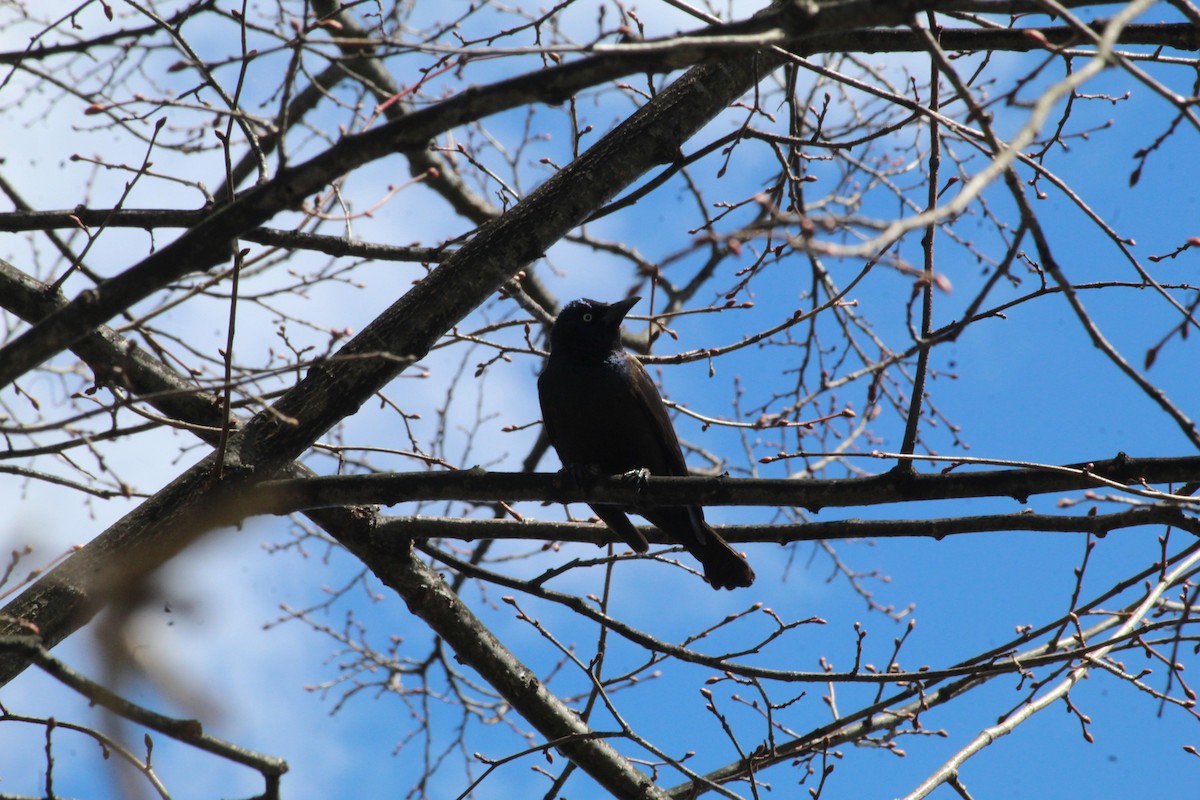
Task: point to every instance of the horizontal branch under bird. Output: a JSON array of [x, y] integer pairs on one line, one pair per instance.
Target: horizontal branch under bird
[[895, 486], [423, 527]]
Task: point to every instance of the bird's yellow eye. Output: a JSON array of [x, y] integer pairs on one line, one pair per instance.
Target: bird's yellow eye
[[587, 317]]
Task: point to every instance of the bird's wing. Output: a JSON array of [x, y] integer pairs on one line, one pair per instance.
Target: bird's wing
[[658, 423]]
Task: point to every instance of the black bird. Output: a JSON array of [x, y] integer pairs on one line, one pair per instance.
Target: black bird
[[604, 416]]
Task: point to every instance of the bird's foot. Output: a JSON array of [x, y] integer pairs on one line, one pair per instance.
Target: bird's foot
[[637, 477]]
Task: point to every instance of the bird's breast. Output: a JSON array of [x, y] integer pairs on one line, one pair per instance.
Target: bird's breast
[[595, 419]]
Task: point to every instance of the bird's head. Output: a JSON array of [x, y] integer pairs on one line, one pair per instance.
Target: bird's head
[[589, 328]]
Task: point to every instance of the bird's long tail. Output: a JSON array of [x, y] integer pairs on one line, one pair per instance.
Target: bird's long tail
[[723, 566]]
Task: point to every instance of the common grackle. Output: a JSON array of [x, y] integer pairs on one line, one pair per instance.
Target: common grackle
[[604, 416]]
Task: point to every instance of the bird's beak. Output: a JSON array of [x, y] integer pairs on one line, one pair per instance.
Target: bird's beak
[[617, 311]]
